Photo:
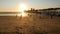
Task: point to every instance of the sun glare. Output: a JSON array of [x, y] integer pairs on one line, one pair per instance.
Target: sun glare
[[22, 8]]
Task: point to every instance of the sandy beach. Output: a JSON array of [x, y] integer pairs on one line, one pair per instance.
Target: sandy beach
[[29, 25]]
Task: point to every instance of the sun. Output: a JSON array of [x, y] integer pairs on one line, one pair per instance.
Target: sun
[[22, 8]]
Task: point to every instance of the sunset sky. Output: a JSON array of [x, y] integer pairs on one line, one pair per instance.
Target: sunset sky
[[37, 4]]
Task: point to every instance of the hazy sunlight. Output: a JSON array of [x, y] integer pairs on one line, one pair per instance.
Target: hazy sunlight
[[22, 8]]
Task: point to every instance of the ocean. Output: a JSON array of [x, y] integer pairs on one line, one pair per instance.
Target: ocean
[[9, 13]]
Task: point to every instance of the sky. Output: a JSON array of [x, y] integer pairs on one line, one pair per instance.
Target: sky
[[37, 4]]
